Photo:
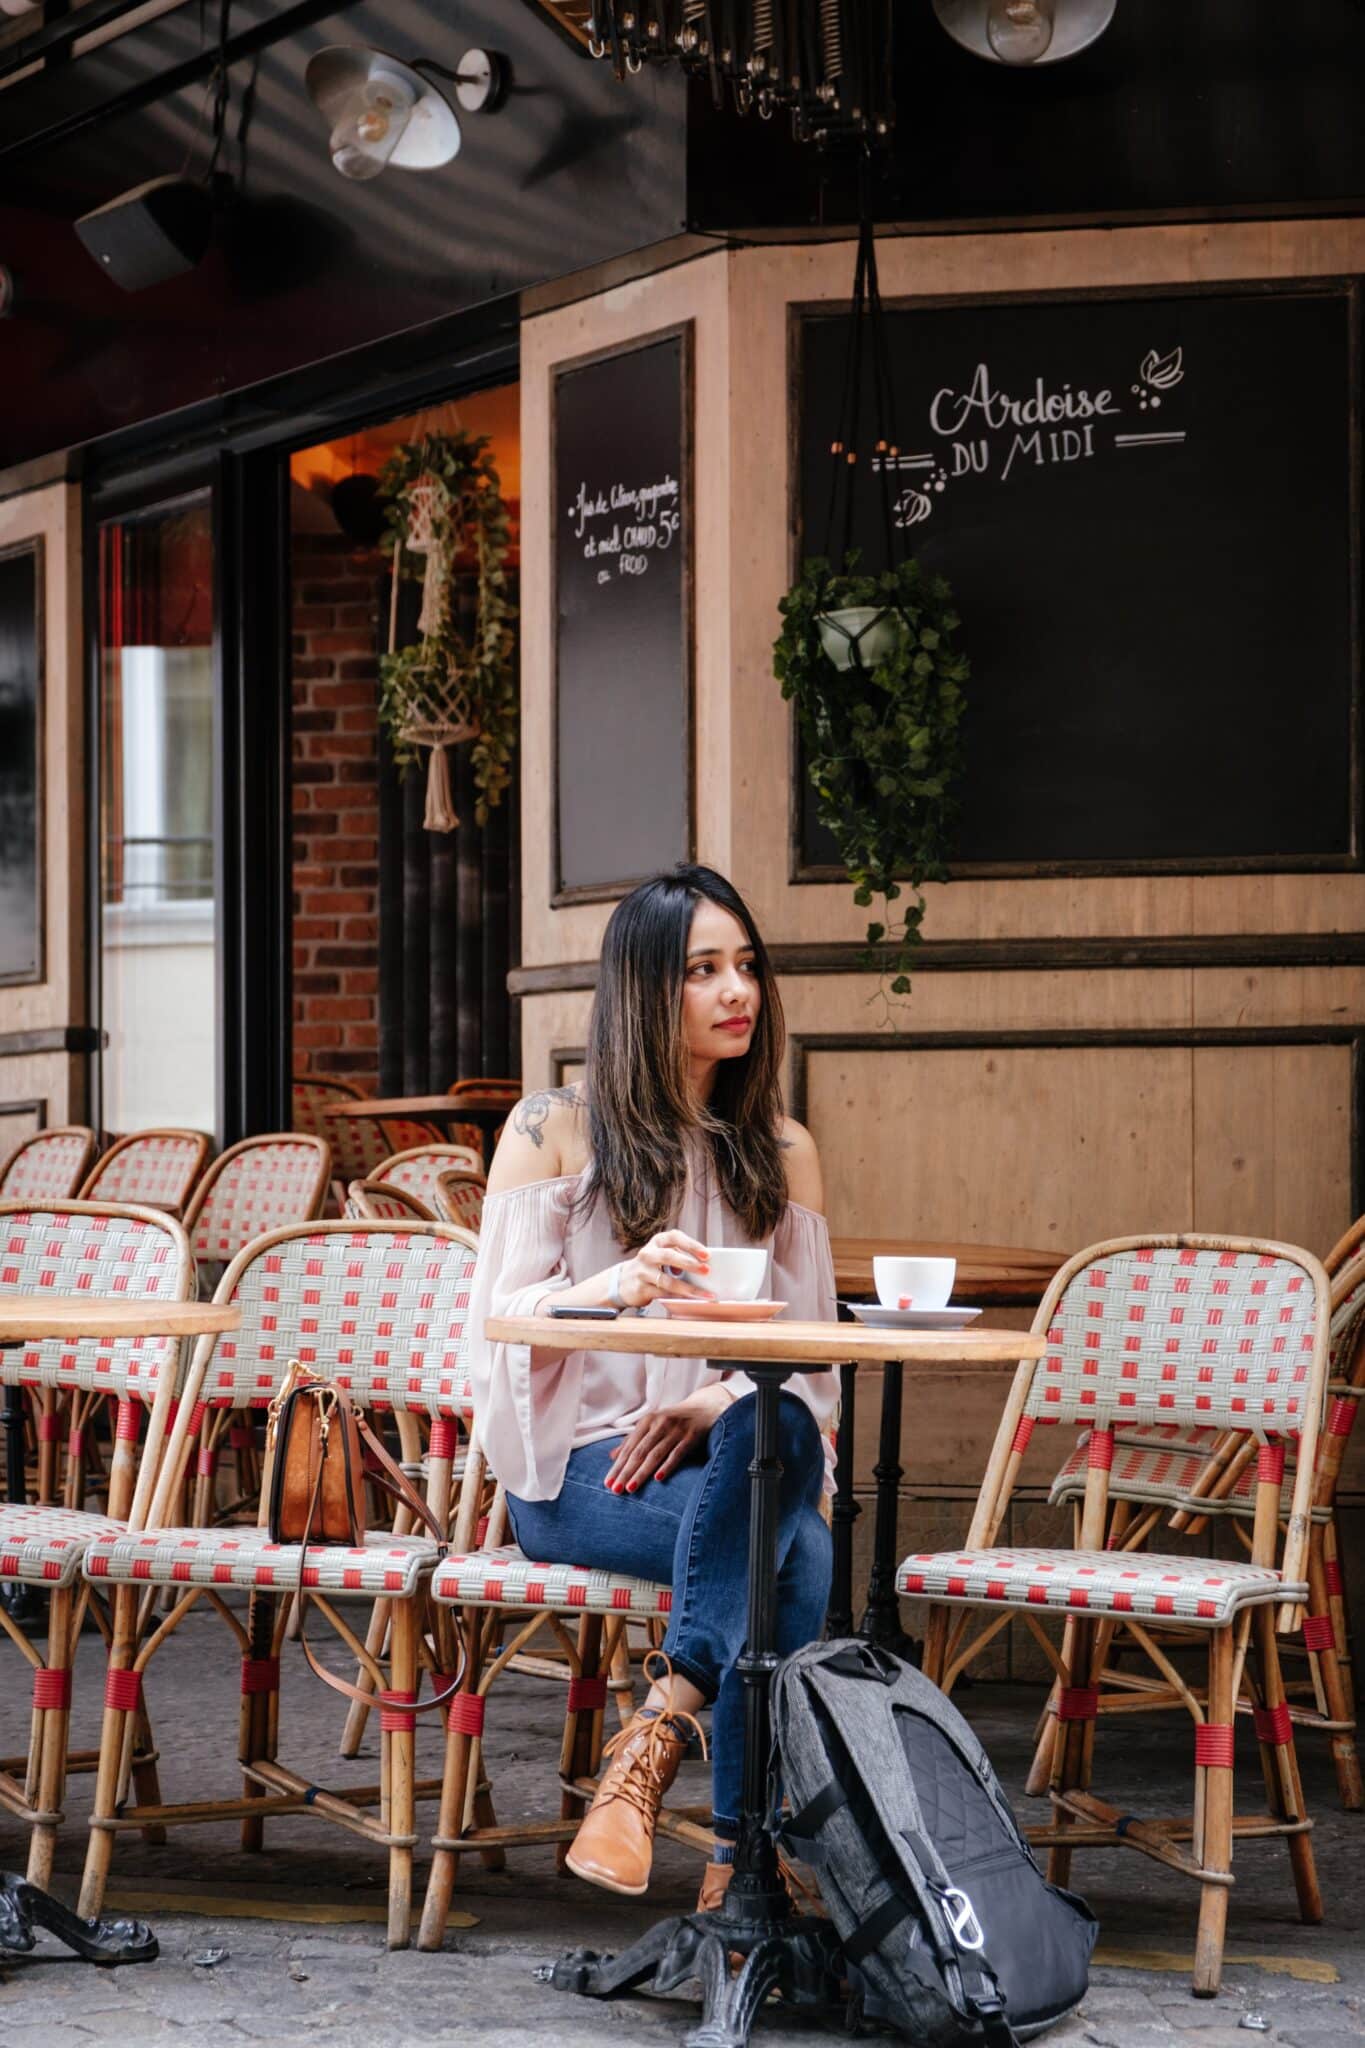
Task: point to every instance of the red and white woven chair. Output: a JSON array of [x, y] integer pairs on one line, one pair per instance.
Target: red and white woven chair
[[1220, 1333], [73, 1248], [154, 1169], [360, 1145], [1189, 1477], [257, 1185], [48, 1166], [380, 1307], [503, 1601], [377, 1200], [416, 1169], [459, 1199]]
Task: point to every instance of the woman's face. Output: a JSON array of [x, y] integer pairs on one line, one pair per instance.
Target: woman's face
[[721, 993]]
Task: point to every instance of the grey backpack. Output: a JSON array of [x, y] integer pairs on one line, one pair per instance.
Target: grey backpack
[[951, 1934]]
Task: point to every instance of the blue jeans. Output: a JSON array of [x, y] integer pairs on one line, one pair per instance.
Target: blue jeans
[[691, 1532]]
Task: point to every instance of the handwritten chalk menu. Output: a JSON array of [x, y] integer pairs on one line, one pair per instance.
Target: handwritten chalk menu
[[622, 542], [1145, 509]]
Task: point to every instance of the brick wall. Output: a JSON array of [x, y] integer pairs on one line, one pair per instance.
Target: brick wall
[[336, 808]]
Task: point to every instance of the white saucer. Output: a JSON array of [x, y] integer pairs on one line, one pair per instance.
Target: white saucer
[[724, 1311], [878, 1318]]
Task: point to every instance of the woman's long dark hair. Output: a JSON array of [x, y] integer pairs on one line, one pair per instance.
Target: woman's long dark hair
[[640, 1109]]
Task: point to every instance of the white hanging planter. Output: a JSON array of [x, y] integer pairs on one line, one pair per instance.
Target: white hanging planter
[[860, 635]]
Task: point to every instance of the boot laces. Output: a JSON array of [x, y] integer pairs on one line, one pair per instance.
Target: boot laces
[[641, 1775]]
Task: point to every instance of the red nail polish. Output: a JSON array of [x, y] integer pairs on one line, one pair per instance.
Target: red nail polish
[[632, 1486]]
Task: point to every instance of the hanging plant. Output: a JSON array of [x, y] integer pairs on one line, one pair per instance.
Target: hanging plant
[[446, 525], [882, 726]]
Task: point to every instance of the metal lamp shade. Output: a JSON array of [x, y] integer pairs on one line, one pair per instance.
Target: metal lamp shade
[[1076, 25], [432, 135]]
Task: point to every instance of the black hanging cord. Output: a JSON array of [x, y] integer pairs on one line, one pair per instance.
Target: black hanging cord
[[220, 82], [865, 338]]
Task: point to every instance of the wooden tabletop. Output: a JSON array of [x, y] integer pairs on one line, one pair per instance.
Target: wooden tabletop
[[813, 1345], [987, 1274], [453, 1106], [25, 1318]]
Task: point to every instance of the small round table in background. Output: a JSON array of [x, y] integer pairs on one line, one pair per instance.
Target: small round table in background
[[487, 1111]]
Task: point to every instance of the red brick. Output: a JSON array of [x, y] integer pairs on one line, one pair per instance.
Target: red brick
[[318, 901], [312, 721], [366, 877], [359, 721], [315, 927], [309, 616], [313, 984], [360, 928], [358, 615], [360, 821], [341, 643], [353, 956], [356, 771], [361, 981], [354, 849], [312, 771], [345, 692], [344, 590], [339, 746], [330, 799], [314, 1037], [308, 667], [341, 1009]]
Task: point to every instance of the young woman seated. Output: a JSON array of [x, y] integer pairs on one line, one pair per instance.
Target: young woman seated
[[609, 1195]]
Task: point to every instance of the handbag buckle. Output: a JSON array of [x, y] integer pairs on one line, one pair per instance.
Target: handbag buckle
[[963, 1924]]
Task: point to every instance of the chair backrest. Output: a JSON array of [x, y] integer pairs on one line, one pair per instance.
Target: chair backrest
[[1227, 1333], [48, 1166], [256, 1186], [379, 1199], [497, 1088], [96, 1250], [358, 1143], [1347, 1245], [379, 1306], [155, 1169], [459, 1198], [417, 1168]]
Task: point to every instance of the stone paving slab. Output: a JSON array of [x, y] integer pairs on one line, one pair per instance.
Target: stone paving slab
[[333, 1980]]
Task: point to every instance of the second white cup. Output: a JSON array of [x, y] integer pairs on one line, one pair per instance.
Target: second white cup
[[914, 1283]]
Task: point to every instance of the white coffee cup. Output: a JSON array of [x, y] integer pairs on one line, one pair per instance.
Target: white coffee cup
[[737, 1272], [914, 1283]]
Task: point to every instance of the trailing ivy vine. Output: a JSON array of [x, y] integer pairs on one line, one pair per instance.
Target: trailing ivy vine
[[461, 669], [883, 744]]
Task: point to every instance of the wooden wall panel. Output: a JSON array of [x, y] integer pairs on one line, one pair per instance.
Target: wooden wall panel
[[1270, 1152]]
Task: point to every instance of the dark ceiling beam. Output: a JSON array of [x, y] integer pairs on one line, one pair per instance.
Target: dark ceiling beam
[[58, 33], [162, 84]]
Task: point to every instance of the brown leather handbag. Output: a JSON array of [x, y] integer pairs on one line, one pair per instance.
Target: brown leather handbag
[[318, 1481]]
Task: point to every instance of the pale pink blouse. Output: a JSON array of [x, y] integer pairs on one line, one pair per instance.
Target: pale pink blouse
[[533, 1408]]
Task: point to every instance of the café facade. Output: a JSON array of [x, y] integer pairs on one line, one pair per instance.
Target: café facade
[[1122, 306]]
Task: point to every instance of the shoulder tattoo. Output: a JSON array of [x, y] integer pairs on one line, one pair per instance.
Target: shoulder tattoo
[[532, 1112]]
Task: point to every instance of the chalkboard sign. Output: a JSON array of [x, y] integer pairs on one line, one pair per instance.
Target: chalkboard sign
[[622, 609], [1146, 509], [21, 665]]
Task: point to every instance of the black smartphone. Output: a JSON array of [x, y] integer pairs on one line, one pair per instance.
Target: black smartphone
[[589, 1315]]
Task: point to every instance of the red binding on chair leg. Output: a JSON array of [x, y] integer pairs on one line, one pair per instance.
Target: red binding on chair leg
[[1318, 1633], [1213, 1745], [1270, 1464], [51, 1691], [129, 1424], [1100, 1456], [123, 1689], [1022, 1434], [466, 1714], [442, 1443], [1331, 1572], [1078, 1703], [49, 1429], [1273, 1724], [587, 1695], [1341, 1416], [395, 1715], [260, 1674], [75, 1444], [206, 1462]]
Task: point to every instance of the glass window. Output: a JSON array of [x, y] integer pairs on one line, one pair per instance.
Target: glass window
[[157, 969]]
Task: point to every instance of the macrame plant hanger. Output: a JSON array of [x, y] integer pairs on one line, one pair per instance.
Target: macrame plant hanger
[[440, 715], [865, 344]]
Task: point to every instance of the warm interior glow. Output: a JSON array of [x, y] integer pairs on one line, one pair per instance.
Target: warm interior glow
[[496, 413]]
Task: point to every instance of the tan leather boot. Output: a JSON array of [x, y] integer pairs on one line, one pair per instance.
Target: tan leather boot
[[614, 1847]]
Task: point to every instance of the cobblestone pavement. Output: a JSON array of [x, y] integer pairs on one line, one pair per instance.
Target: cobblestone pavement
[[328, 1977]]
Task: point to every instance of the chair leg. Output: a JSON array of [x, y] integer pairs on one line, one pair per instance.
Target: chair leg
[[51, 1726], [1321, 1639], [463, 1714], [1281, 1764], [401, 1772], [358, 1713], [1072, 1746], [936, 1643], [1213, 1805], [582, 1724], [1341, 1620], [100, 1848], [256, 1714]]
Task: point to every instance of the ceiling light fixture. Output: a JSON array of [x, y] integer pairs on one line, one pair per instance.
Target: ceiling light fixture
[[381, 111], [1023, 33]]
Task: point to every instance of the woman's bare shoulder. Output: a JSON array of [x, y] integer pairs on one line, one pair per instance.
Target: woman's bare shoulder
[[802, 1163], [545, 1136]]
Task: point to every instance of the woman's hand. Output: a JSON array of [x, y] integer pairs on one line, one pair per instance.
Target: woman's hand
[[659, 1443], [660, 1268]]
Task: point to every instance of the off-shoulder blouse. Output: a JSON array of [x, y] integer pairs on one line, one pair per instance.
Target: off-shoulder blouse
[[533, 1408]]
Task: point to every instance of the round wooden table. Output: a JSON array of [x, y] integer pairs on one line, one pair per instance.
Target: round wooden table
[[800, 1957], [487, 1111], [988, 1275]]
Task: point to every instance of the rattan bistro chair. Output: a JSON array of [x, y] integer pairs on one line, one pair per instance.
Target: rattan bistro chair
[[1191, 1477], [65, 1249], [48, 1166], [156, 1169], [1226, 1333], [417, 1168], [459, 1198], [1350, 1242], [359, 1145], [257, 1185], [377, 1199], [381, 1307]]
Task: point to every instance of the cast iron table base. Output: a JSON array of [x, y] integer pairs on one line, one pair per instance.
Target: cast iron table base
[[799, 1957], [23, 1908]]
